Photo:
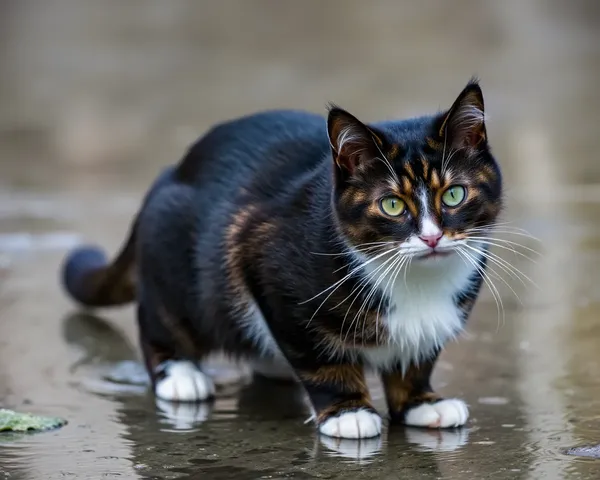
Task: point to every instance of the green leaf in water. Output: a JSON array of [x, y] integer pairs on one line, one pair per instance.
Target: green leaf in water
[[23, 422]]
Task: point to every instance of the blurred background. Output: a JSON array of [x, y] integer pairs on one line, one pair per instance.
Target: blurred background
[[96, 97]]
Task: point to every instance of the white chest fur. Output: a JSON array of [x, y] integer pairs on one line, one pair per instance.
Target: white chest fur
[[423, 314]]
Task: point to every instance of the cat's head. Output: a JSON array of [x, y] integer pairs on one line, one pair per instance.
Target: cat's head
[[424, 186]]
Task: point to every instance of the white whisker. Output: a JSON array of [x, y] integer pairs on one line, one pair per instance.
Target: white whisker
[[508, 242], [510, 246], [372, 289], [485, 277], [364, 283], [352, 272], [506, 266]]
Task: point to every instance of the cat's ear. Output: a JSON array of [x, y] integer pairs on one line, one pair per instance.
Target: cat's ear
[[352, 142], [463, 125]]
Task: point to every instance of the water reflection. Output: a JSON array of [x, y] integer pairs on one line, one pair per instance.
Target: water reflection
[[98, 97], [359, 450]]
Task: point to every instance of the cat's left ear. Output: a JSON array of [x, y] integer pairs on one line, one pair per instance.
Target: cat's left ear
[[463, 125], [352, 142]]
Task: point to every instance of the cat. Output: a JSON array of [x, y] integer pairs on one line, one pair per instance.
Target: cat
[[318, 246]]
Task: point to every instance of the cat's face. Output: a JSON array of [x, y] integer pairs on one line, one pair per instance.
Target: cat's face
[[424, 188]]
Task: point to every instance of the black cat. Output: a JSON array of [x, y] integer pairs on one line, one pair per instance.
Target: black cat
[[319, 247]]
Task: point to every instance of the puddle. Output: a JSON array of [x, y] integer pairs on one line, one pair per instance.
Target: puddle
[[94, 109]]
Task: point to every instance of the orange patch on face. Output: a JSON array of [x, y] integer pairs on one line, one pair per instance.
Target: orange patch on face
[[434, 181], [373, 209], [433, 144], [409, 171], [359, 196], [411, 206], [489, 173], [482, 177], [354, 195], [472, 193], [452, 235], [437, 201], [393, 151], [425, 164]]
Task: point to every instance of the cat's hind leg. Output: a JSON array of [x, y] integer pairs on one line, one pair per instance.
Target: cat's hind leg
[[172, 359]]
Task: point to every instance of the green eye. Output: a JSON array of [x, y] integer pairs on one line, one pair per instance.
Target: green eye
[[392, 206], [454, 195]]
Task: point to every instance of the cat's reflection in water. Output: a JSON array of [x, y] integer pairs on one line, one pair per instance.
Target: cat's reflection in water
[[437, 440], [183, 415], [420, 439], [361, 450], [253, 396]]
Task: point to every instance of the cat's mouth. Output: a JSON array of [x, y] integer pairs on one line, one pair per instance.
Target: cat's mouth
[[434, 253]]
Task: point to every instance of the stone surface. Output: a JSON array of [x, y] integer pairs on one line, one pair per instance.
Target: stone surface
[[96, 97]]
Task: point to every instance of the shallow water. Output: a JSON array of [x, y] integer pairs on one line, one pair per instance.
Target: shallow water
[[96, 99]]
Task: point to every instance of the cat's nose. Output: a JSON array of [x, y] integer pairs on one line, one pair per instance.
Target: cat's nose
[[431, 240]]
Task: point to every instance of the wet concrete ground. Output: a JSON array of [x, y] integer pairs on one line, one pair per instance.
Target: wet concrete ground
[[97, 97]]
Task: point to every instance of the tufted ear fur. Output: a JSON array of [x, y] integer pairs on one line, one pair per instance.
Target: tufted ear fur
[[352, 142], [463, 125]]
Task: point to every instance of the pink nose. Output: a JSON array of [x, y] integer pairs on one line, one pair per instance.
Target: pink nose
[[431, 240]]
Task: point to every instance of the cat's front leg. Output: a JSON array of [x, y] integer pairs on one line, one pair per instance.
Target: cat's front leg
[[341, 400], [412, 401]]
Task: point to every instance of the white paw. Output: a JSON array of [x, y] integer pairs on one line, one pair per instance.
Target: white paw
[[443, 414], [183, 382], [358, 424]]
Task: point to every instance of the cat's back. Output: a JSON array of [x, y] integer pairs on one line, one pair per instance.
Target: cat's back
[[250, 160], [271, 146]]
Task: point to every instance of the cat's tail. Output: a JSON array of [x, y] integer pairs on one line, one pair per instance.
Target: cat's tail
[[91, 280]]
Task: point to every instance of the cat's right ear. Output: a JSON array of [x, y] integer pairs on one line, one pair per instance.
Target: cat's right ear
[[352, 142]]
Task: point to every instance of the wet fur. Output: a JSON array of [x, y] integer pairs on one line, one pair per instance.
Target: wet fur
[[233, 246]]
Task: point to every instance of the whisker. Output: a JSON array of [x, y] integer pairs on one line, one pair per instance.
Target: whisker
[[501, 262], [477, 265], [499, 277], [366, 304], [452, 153], [516, 231], [382, 297], [491, 257], [365, 280], [491, 240], [369, 295], [406, 270], [365, 283], [404, 367], [510, 248], [390, 284], [352, 272], [337, 284], [385, 160]]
